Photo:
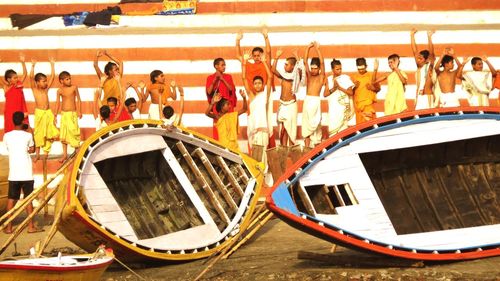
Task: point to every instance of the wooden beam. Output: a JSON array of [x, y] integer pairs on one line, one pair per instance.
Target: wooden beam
[[203, 182], [215, 177], [225, 168]]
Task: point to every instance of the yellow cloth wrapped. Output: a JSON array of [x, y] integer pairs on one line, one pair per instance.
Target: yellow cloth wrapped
[[364, 98], [45, 130], [227, 126], [111, 88], [70, 131], [395, 100]]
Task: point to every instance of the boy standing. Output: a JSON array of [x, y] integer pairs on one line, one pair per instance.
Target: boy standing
[[19, 144], [365, 92], [222, 84], [45, 129], [158, 92], [291, 77], [14, 96], [257, 68], [447, 79], [478, 83], [227, 121], [339, 96], [259, 125], [311, 112], [71, 111], [395, 100], [110, 79], [423, 59]]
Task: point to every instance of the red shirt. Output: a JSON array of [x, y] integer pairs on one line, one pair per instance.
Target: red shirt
[[124, 115], [14, 101], [221, 88]]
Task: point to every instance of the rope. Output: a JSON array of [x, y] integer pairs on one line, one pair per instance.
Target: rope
[[129, 269]]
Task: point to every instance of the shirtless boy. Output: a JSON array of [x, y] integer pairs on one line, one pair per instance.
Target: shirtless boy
[[159, 93], [287, 111], [311, 113], [447, 78], [45, 130], [68, 102], [424, 60]]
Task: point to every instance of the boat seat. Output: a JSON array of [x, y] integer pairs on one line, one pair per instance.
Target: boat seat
[[190, 238]]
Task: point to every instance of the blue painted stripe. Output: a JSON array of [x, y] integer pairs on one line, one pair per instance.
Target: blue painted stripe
[[283, 200]]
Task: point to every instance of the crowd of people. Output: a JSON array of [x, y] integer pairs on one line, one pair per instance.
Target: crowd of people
[[350, 99]]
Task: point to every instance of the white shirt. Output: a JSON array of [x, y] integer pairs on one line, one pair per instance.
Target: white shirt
[[20, 166]]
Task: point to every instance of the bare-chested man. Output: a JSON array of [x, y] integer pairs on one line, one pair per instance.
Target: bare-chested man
[[311, 112]]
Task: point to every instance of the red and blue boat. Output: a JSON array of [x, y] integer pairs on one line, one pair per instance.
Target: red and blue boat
[[422, 185]]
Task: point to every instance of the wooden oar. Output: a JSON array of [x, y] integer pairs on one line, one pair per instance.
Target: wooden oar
[[249, 235], [27, 220], [22, 205]]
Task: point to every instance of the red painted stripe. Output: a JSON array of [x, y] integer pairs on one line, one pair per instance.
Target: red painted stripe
[[55, 269], [209, 53], [268, 6]]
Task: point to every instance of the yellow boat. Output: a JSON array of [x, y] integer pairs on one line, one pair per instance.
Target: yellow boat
[[60, 268], [153, 194]]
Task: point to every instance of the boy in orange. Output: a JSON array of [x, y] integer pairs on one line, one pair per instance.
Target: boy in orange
[[365, 91], [69, 102], [257, 68], [45, 129], [227, 121], [14, 96]]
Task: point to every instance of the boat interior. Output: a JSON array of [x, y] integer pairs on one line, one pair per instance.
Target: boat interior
[[166, 193]]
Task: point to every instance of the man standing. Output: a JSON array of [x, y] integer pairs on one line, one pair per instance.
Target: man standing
[[19, 144]]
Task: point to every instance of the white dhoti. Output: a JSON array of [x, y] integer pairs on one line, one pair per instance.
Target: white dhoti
[[339, 112], [424, 101], [449, 100], [287, 117], [478, 84], [311, 119], [259, 126], [154, 111]]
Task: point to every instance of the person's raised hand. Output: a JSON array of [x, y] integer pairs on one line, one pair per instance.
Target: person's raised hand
[[243, 94]]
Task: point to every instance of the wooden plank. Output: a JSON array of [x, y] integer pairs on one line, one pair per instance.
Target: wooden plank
[[215, 177], [358, 261], [243, 174], [306, 199], [441, 199], [203, 182], [225, 168]]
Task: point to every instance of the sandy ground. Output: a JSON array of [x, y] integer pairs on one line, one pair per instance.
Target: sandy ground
[[272, 254]]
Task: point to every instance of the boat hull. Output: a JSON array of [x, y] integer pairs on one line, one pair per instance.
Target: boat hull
[[88, 229], [401, 198], [19, 271]]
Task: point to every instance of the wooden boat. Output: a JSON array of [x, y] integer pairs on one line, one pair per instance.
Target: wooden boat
[[153, 194], [61, 268], [421, 185]]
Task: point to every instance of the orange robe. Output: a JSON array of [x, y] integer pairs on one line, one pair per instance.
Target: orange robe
[[255, 69], [227, 127], [364, 98], [111, 88]]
